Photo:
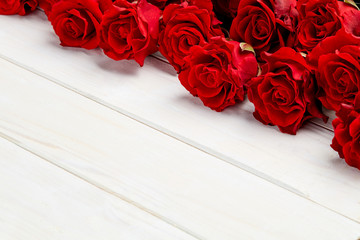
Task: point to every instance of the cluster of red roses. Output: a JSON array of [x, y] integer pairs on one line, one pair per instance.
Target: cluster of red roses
[[291, 56]]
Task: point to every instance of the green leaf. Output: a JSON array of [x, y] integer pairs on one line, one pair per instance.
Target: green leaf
[[259, 70], [247, 47], [352, 3]]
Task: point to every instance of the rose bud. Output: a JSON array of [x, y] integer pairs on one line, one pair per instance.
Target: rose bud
[[77, 22], [347, 134], [264, 25], [21, 7], [283, 94], [185, 26], [217, 71], [337, 68], [130, 30]]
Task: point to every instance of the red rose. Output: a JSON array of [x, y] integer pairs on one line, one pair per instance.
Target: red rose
[[159, 3], [46, 5], [347, 134], [318, 19], [204, 4], [336, 61], [226, 11], [10, 7], [265, 24], [130, 30], [284, 94], [185, 26], [226, 7], [217, 72], [77, 22], [21, 7], [351, 18]]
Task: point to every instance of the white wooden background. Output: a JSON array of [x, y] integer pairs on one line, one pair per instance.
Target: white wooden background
[[91, 148]]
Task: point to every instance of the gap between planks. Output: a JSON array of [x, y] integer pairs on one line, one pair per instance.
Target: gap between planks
[[162, 130], [102, 194], [55, 86], [102, 188], [291, 177], [168, 133]]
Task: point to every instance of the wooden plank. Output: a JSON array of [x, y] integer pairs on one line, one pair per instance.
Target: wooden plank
[[188, 188], [304, 164], [41, 201]]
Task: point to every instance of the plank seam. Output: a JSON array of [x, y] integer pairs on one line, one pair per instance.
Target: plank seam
[[102, 187], [178, 137]]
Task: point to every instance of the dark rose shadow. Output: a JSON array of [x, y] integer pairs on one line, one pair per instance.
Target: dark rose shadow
[[161, 65], [124, 67], [241, 109]]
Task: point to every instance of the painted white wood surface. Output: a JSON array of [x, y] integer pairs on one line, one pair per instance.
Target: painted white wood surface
[[41, 201], [304, 164], [187, 188]]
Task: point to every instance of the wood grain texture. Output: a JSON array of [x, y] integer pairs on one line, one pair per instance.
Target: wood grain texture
[[304, 164], [179, 184], [41, 201]]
